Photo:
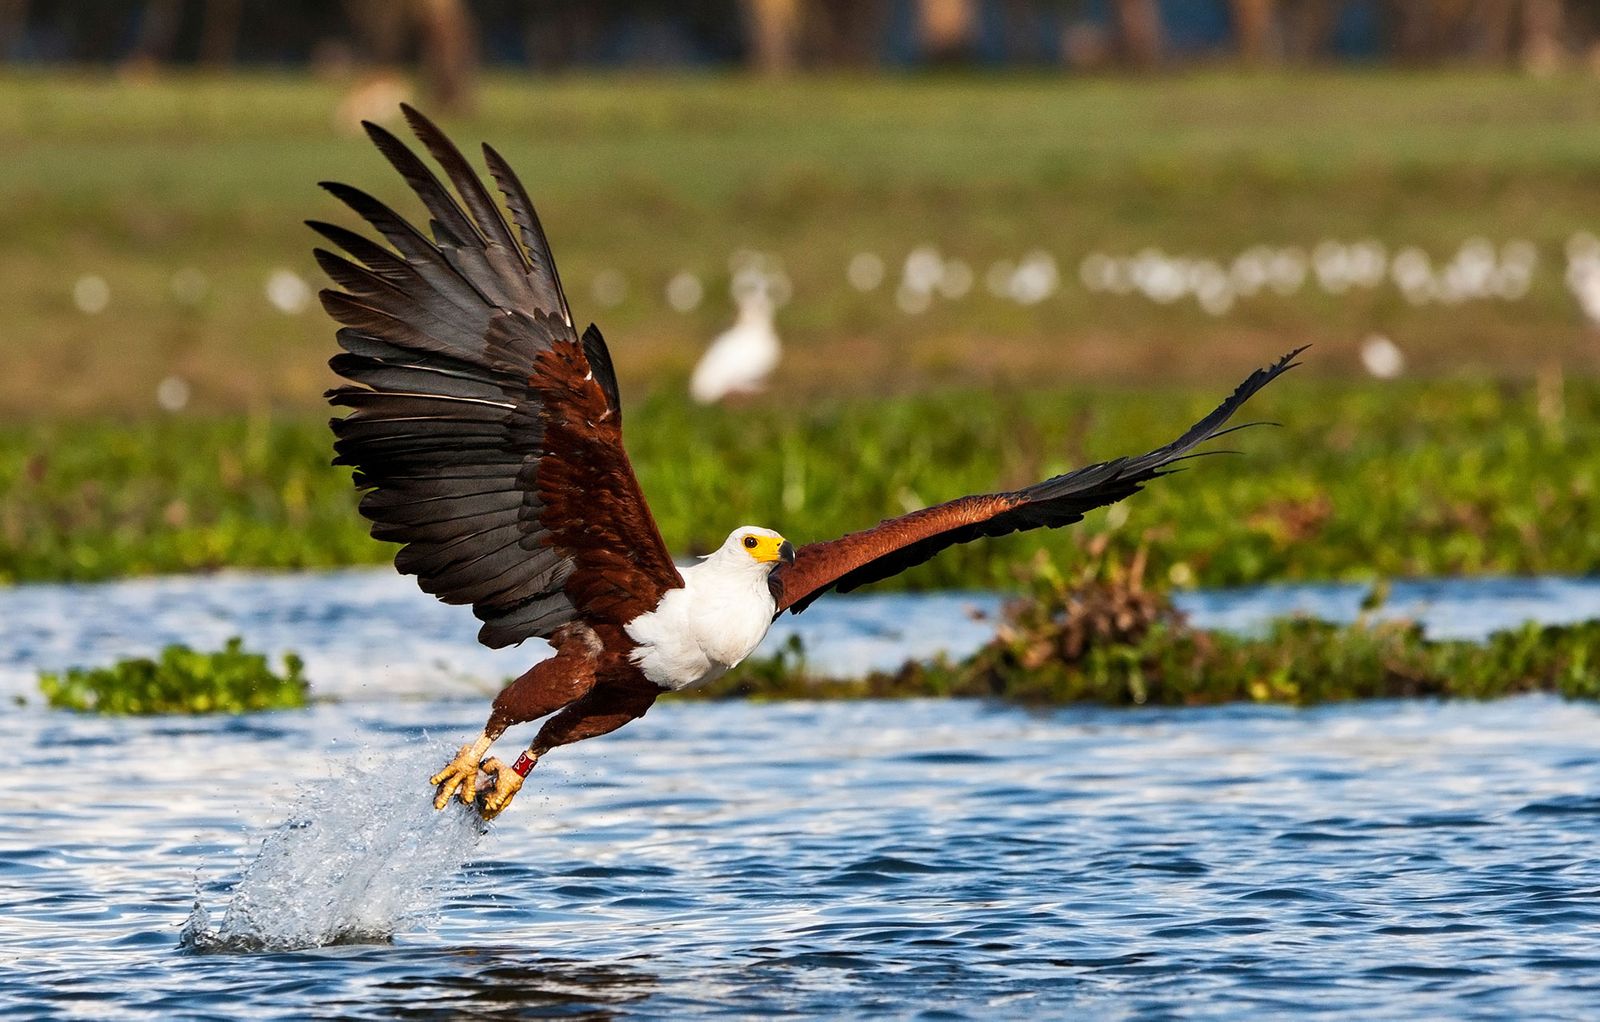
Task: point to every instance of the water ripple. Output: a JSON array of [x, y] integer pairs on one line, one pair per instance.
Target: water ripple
[[905, 860]]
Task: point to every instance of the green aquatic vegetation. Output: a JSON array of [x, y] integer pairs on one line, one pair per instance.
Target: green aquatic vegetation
[[1363, 481], [1299, 661], [181, 680], [1101, 637]]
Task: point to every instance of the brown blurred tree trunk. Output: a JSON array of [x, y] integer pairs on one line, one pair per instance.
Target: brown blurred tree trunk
[[559, 35], [1443, 29], [158, 30], [845, 33], [1255, 25], [13, 24], [1494, 23], [1020, 30], [380, 28], [1410, 24], [774, 28], [1543, 22], [444, 31], [947, 28], [1139, 28], [449, 51], [1309, 28], [219, 33], [1477, 29]]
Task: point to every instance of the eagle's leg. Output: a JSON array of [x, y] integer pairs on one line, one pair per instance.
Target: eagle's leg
[[600, 712], [546, 688]]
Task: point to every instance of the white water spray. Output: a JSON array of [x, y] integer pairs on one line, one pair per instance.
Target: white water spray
[[360, 855]]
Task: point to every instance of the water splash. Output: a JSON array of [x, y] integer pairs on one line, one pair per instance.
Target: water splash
[[360, 855]]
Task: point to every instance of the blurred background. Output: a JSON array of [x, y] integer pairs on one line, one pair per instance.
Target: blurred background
[[972, 241], [852, 258]]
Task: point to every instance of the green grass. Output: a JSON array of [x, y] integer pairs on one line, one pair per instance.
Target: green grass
[[1361, 482], [181, 680], [135, 181]]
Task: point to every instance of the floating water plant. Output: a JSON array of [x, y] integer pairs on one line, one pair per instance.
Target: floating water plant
[[1101, 636], [181, 680]]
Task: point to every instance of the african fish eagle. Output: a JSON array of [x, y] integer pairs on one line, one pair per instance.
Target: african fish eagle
[[486, 432]]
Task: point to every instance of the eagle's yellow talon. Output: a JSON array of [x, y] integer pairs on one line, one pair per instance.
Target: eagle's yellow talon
[[459, 775], [447, 788], [507, 782]]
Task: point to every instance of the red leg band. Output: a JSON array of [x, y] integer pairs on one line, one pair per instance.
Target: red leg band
[[523, 764]]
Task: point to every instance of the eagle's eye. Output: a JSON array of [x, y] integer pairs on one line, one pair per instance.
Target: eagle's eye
[[749, 542]]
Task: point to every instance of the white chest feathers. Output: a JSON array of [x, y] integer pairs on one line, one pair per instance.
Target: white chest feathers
[[697, 633]]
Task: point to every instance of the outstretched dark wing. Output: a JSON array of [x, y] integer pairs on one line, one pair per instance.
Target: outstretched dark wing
[[486, 431], [896, 544]]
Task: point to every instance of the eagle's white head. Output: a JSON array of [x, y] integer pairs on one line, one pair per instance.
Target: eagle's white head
[[718, 617], [754, 548]]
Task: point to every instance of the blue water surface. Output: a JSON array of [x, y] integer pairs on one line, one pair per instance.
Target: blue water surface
[[920, 860]]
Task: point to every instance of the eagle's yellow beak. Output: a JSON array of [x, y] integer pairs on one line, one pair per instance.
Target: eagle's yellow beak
[[766, 549]]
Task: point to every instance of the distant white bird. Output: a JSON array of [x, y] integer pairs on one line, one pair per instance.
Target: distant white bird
[[1583, 278], [1583, 273], [91, 294], [740, 360], [1382, 357]]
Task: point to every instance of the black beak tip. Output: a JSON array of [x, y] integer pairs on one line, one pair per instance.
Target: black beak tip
[[786, 552]]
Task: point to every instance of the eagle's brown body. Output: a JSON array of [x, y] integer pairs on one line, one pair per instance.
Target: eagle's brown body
[[487, 433], [597, 688]]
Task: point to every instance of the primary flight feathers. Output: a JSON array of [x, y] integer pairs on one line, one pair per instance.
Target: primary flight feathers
[[892, 546], [488, 431]]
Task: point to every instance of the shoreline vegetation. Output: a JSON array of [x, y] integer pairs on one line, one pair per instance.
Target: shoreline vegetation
[[1097, 635], [1362, 482]]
